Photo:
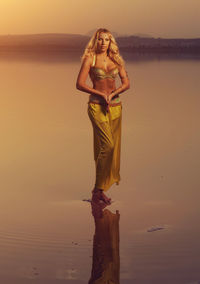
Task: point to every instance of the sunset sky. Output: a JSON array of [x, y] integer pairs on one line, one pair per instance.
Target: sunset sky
[[158, 18]]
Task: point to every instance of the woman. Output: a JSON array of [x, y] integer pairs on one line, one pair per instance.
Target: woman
[[102, 61]]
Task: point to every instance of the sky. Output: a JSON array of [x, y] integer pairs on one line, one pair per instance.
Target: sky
[[157, 18]]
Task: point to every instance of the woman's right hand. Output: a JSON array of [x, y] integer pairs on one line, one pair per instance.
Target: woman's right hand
[[105, 97], [107, 100]]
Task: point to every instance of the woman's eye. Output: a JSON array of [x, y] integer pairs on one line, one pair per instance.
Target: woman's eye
[[101, 39]]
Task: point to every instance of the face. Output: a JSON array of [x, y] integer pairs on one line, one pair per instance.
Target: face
[[103, 42]]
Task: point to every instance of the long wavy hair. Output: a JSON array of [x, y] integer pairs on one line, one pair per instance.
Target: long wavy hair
[[113, 50]]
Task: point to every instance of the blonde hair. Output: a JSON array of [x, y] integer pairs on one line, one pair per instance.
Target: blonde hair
[[113, 50]]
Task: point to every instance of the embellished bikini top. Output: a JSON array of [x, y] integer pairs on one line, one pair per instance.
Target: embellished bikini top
[[99, 73]]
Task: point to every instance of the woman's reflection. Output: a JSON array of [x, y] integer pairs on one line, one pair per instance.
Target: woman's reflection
[[106, 263]]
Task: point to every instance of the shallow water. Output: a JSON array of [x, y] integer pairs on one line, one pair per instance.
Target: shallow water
[[47, 168]]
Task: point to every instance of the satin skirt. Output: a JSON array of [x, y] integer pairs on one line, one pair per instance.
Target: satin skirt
[[107, 143]]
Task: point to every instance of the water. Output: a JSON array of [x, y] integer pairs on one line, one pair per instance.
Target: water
[[47, 168]]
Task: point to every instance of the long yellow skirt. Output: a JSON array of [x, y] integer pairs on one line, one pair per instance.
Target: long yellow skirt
[[107, 143]]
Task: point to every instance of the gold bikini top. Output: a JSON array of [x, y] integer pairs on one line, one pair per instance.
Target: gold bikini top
[[99, 73]]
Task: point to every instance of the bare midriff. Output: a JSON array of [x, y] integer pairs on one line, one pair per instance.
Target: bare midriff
[[106, 86]]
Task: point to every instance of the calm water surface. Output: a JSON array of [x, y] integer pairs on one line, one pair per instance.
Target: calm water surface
[[47, 168]]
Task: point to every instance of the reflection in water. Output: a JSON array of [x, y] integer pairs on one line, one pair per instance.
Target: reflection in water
[[106, 262]]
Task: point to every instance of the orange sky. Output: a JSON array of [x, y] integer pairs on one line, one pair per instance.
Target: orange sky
[[159, 18]]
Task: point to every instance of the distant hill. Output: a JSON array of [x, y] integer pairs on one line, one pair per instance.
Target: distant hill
[[115, 34], [160, 45], [52, 41], [66, 42], [91, 32], [142, 35]]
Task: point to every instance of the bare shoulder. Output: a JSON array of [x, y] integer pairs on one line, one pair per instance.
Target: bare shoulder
[[84, 70], [87, 62]]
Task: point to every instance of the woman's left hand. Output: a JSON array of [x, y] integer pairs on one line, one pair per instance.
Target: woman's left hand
[[110, 96]]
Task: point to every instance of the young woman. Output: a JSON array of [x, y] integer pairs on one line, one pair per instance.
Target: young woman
[[102, 61]]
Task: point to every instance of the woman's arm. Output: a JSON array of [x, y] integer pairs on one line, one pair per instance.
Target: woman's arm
[[125, 83], [82, 76]]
